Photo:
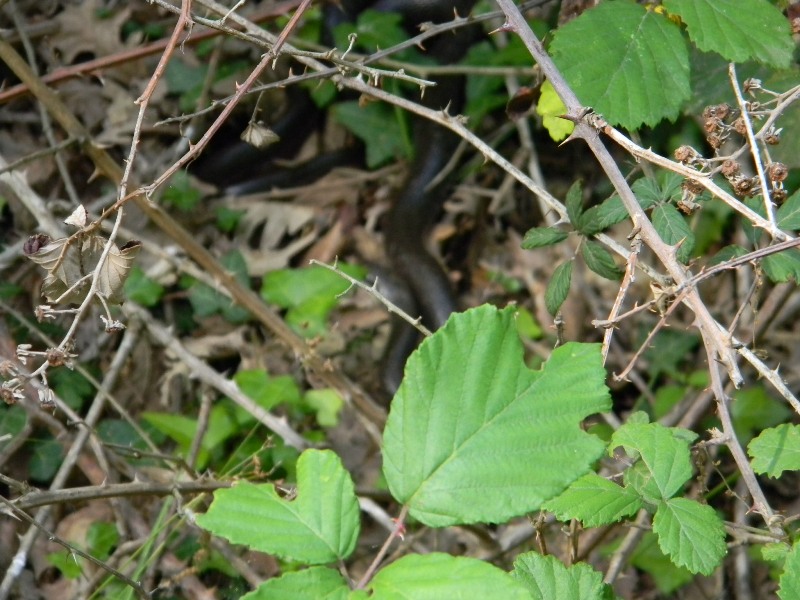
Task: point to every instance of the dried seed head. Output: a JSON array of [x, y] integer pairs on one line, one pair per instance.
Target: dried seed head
[[685, 154], [777, 172], [56, 357], [692, 186], [714, 140], [773, 136], [751, 85], [730, 168], [739, 126], [744, 186], [778, 195], [712, 125]]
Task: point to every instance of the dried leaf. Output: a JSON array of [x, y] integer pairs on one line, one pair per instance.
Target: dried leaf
[[70, 262], [78, 218]]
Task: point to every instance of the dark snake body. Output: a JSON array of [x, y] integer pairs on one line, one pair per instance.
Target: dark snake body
[[428, 291]]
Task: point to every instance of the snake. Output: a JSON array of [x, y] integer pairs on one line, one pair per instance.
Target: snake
[[420, 285]]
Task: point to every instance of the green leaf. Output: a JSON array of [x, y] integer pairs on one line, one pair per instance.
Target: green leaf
[[754, 409], [727, 27], [71, 386], [228, 218], [673, 229], [182, 429], [547, 578], [12, 422], [691, 534], [599, 260], [436, 576], [629, 64], [667, 576], [375, 30], [649, 192], [327, 404], [539, 237], [597, 218], [266, 391], [594, 501], [66, 562], [727, 253], [315, 583], [574, 202], [783, 266], [309, 294], [470, 415], [207, 301], [666, 459], [180, 193], [551, 109], [319, 526], [101, 539], [776, 450], [46, 457], [377, 126], [558, 287], [612, 211], [141, 289], [790, 578], [789, 213]]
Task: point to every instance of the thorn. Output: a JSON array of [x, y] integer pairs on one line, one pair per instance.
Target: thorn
[[505, 27]]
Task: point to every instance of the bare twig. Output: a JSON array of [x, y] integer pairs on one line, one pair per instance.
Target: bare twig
[[374, 292]]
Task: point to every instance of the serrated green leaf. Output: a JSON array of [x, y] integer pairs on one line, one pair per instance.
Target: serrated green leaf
[[319, 526], [377, 126], [691, 534], [790, 578], [783, 266], [739, 30], [574, 202], [629, 64], [547, 578], [597, 218], [776, 450], [650, 192], [775, 552], [599, 260], [551, 109], [673, 229], [788, 214], [539, 237], [594, 501], [558, 287], [665, 458], [315, 583], [469, 415], [436, 576]]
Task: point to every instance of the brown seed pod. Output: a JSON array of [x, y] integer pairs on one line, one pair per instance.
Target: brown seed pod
[[777, 172]]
